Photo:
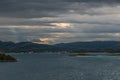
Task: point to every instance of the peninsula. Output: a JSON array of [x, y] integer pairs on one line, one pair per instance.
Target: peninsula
[[6, 58]]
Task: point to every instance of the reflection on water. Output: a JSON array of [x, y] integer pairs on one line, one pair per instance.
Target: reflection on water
[[60, 67]]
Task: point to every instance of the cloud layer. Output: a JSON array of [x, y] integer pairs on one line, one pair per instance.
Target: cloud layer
[[57, 21]]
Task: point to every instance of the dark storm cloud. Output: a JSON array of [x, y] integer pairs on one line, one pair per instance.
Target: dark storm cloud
[[94, 1], [46, 8], [30, 8]]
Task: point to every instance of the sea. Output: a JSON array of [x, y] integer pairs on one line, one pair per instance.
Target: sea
[[53, 66]]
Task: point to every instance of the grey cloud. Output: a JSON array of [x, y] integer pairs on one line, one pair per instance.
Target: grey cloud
[[94, 1], [31, 8], [67, 35], [47, 8]]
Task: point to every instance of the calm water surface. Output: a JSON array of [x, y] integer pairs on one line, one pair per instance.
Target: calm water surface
[[60, 67]]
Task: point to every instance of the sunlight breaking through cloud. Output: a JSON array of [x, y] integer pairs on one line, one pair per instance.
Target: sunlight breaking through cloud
[[61, 25]]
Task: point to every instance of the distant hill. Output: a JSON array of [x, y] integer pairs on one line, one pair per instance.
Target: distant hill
[[94, 46], [24, 47]]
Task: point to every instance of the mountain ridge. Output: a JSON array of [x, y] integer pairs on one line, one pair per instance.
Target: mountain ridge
[[93, 46]]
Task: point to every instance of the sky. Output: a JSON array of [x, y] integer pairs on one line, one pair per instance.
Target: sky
[[59, 21]]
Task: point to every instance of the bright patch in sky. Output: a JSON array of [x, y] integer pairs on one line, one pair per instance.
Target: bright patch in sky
[[61, 25], [46, 40]]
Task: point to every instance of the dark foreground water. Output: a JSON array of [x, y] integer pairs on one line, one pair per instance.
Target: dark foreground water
[[60, 67]]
